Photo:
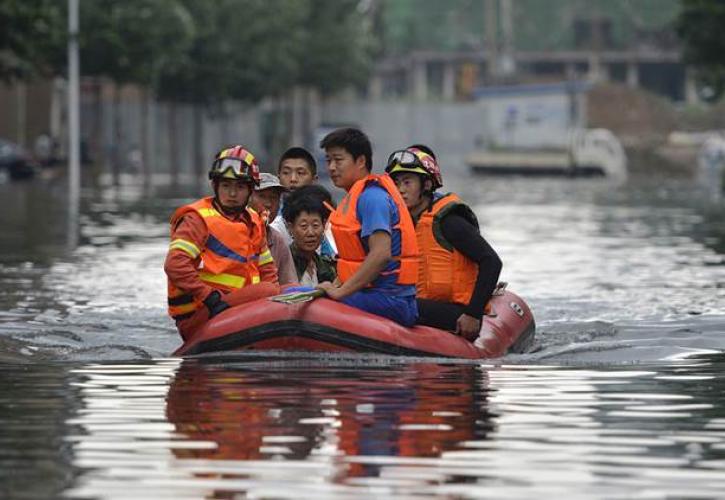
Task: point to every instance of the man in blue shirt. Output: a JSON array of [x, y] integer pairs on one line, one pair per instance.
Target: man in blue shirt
[[376, 243]]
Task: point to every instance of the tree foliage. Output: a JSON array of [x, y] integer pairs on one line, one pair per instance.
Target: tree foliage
[[432, 25], [191, 50], [537, 24], [249, 49], [131, 41], [700, 26], [242, 49], [30, 32], [339, 45]]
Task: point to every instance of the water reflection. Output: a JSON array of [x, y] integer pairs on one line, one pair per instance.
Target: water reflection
[[34, 222], [41, 225], [281, 428], [327, 412], [268, 428], [35, 460]]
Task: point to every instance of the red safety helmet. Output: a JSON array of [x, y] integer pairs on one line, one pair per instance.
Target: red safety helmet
[[414, 160], [235, 163]]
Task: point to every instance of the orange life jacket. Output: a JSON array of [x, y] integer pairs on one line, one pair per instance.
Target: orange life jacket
[[346, 231], [230, 259], [445, 274]]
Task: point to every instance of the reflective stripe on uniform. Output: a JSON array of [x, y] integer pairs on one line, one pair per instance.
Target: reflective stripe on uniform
[[229, 280], [219, 248], [265, 257], [185, 246], [183, 309], [209, 212]]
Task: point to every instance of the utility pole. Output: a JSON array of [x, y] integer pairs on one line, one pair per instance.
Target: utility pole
[[74, 125], [491, 36], [22, 113], [507, 64], [499, 37]]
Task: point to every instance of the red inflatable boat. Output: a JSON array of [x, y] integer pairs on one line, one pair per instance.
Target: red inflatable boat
[[324, 325]]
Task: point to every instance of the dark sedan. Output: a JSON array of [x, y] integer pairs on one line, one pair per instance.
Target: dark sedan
[[16, 161]]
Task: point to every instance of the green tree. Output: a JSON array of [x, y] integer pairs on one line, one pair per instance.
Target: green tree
[[700, 25], [130, 41], [243, 49], [30, 33], [432, 25], [338, 45], [251, 49]]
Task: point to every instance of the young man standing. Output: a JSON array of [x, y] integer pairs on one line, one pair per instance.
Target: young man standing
[[377, 251], [265, 200], [218, 256], [298, 168], [459, 269]]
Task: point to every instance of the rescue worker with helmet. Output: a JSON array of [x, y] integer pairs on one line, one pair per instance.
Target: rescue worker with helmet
[[458, 269], [377, 262], [218, 256]]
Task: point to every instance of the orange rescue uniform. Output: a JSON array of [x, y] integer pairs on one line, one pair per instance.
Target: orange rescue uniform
[[211, 251], [445, 274]]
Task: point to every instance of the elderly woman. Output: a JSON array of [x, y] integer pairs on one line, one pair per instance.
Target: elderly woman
[[305, 213]]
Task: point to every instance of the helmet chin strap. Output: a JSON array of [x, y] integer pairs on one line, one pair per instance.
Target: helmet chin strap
[[227, 210], [231, 210]]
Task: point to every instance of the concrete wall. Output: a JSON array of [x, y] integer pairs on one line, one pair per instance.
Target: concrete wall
[[235, 123], [25, 111], [452, 129]]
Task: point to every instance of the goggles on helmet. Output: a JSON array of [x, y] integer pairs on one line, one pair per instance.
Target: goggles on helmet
[[404, 158], [225, 166], [235, 163], [405, 161], [413, 160]]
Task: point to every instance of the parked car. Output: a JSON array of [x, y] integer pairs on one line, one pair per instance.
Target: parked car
[[15, 161]]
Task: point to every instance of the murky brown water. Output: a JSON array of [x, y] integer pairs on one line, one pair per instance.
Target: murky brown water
[[622, 399]]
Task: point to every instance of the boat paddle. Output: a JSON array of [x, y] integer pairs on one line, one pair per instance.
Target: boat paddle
[[298, 297]]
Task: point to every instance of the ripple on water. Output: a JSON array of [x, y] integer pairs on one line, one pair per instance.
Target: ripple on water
[[616, 277], [313, 428]]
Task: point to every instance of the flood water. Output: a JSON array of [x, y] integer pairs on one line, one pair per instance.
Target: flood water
[[624, 396]]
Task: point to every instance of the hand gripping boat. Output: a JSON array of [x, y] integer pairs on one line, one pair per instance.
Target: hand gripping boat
[[324, 325]]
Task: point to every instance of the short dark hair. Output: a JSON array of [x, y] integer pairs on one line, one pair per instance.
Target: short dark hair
[[298, 153], [310, 199], [425, 149], [352, 140]]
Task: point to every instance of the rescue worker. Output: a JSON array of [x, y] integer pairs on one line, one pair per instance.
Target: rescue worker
[[377, 264], [458, 269], [218, 256]]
